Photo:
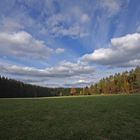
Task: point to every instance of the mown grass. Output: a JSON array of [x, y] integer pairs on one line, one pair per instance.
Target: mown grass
[[76, 118]]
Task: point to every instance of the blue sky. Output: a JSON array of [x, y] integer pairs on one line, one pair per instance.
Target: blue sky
[[68, 43]]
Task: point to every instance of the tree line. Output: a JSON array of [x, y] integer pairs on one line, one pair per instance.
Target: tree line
[[127, 82], [10, 88]]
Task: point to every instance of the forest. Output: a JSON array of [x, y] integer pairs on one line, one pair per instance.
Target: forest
[[124, 83]]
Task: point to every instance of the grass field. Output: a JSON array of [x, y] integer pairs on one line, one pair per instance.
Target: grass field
[[71, 118]]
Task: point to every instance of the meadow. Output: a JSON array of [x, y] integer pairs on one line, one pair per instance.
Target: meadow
[[114, 117]]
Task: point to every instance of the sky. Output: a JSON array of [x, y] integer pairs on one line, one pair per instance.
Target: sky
[[68, 43]]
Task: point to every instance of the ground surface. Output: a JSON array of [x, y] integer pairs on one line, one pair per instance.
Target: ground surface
[[73, 118]]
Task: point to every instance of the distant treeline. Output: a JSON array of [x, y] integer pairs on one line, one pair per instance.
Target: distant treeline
[[10, 88], [127, 82]]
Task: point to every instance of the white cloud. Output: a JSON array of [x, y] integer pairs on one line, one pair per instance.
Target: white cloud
[[85, 18], [71, 22], [65, 71], [81, 81], [59, 50], [123, 51], [131, 63], [23, 45], [73, 31], [22, 20], [111, 6], [10, 24]]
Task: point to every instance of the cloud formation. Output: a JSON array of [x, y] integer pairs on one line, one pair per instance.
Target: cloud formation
[[70, 23], [112, 7], [46, 39], [63, 71], [23, 45], [122, 51]]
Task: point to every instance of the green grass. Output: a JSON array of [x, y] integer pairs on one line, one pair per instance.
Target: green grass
[[71, 118]]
